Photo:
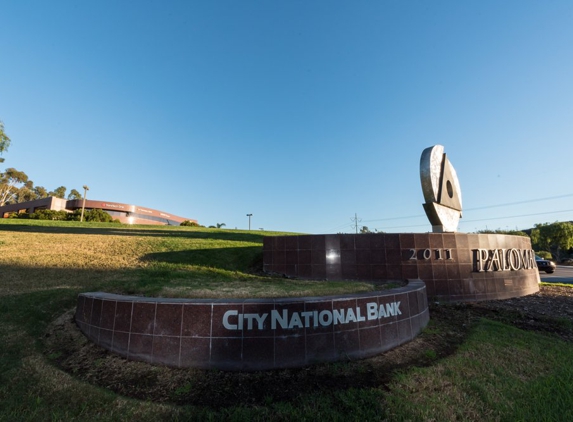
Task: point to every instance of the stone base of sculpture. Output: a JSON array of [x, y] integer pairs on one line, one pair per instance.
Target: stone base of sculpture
[[454, 266]]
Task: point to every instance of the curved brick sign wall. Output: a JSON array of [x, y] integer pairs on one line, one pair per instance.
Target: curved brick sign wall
[[253, 334], [454, 266]]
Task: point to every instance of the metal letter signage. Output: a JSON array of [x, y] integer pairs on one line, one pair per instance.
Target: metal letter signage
[[308, 319], [441, 190]]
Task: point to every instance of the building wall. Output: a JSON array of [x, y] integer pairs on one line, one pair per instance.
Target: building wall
[[125, 213], [50, 203], [130, 214]]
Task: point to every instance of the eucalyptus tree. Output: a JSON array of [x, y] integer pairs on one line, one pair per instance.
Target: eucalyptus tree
[[74, 194], [25, 193], [41, 192], [10, 182], [58, 192]]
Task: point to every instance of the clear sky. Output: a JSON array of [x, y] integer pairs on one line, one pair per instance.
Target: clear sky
[[302, 113]]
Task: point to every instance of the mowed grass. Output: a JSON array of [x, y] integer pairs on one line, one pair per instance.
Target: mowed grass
[[143, 260], [499, 373]]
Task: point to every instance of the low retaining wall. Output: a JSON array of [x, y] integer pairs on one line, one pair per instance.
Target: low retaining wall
[[454, 266], [253, 334]]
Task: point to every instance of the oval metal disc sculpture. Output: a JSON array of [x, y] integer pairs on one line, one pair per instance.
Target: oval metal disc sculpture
[[441, 190]]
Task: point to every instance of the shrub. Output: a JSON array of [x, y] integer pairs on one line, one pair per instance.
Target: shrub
[[544, 254], [189, 223], [49, 215], [97, 215], [499, 231], [75, 216]]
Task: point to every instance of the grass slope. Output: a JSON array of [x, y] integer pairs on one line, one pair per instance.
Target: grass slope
[[498, 373]]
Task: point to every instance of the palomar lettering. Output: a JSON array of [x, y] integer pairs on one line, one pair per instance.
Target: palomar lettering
[[503, 259]]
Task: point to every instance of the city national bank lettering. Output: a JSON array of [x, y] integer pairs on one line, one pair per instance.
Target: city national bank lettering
[[503, 259], [233, 320]]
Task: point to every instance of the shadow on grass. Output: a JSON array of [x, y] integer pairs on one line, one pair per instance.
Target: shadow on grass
[[116, 230], [235, 259]]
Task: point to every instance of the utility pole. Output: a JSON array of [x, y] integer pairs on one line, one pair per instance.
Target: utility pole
[[356, 220], [249, 215], [84, 203]]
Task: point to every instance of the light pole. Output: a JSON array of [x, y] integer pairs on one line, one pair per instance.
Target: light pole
[[84, 202], [249, 215]]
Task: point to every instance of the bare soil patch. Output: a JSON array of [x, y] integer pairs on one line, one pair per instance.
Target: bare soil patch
[[550, 311]]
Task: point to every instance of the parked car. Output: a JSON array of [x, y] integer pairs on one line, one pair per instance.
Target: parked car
[[545, 265], [567, 261]]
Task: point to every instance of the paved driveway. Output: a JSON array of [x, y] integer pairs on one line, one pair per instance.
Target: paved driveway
[[563, 274]]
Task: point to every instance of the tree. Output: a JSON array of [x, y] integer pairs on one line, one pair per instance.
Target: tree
[[535, 237], [58, 192], [41, 192], [553, 237], [74, 194], [10, 182], [25, 193], [4, 141], [219, 225]]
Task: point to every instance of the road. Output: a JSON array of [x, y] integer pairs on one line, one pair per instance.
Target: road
[[563, 274]]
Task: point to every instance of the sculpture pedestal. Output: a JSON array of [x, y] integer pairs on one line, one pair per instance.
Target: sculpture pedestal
[[454, 266]]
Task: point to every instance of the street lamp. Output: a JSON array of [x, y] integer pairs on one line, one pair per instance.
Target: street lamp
[[84, 203], [249, 215]]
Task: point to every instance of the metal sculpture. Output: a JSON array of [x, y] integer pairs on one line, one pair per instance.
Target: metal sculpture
[[441, 190]]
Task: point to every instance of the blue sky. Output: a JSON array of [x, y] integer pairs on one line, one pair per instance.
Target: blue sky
[[302, 113]]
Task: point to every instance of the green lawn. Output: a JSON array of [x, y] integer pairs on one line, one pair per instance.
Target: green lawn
[[498, 372]]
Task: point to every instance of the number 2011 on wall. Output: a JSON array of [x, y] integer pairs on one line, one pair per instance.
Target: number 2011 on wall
[[430, 254]]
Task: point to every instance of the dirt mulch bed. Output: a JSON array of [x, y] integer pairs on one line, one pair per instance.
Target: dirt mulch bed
[[549, 311]]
